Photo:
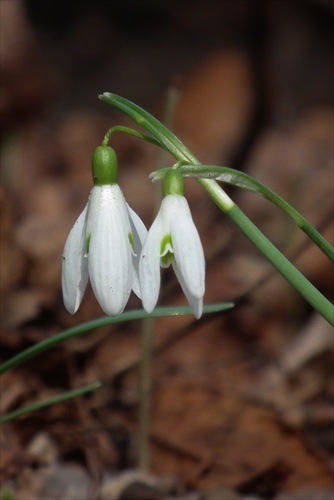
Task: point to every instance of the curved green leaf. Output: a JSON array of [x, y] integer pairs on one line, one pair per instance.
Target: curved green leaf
[[60, 398], [136, 314]]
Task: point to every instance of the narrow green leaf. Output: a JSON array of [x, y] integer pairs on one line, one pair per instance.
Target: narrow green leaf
[[60, 398], [136, 314]]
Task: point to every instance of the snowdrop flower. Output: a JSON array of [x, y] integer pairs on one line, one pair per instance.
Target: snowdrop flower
[[173, 239], [104, 244]]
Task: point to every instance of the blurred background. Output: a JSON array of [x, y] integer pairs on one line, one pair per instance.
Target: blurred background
[[251, 87]]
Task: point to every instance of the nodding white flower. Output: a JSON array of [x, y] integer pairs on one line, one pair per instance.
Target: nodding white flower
[[173, 239], [104, 244]]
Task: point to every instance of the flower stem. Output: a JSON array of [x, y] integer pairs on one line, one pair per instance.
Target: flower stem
[[129, 131], [273, 255], [145, 391], [176, 148]]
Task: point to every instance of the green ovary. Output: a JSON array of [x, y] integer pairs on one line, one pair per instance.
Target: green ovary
[[166, 250], [104, 166]]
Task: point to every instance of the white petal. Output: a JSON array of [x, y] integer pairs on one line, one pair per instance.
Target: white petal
[[195, 303], [75, 265], [149, 265], [93, 209], [188, 250], [139, 233], [110, 265], [189, 263]]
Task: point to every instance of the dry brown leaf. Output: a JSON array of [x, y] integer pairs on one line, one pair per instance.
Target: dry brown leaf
[[213, 439], [216, 106], [22, 305]]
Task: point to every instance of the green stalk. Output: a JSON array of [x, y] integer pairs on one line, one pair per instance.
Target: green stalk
[[162, 134], [176, 148], [129, 131], [146, 336], [145, 391], [273, 255]]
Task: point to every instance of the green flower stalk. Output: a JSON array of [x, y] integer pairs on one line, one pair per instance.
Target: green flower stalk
[[184, 156]]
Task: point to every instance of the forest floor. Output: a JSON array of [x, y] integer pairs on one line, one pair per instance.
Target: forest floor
[[242, 402]]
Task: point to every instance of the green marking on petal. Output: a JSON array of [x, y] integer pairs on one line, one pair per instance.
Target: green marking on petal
[[88, 243], [166, 245], [166, 250], [130, 237], [166, 259]]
